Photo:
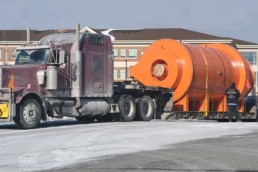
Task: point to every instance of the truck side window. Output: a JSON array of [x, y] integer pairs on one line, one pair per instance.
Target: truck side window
[[100, 41], [97, 66], [96, 41]]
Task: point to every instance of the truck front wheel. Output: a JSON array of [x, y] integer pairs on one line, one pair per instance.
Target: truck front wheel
[[28, 114]]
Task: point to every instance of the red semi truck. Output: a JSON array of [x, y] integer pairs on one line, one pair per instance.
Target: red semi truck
[[71, 74]]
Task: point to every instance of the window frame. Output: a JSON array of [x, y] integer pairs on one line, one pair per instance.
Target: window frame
[[115, 74], [115, 55], [124, 73], [132, 53], [248, 56], [124, 53]]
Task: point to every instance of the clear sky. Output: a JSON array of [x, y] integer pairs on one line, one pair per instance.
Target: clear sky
[[227, 18]]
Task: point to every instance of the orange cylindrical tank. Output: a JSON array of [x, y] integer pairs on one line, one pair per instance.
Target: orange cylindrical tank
[[198, 74]]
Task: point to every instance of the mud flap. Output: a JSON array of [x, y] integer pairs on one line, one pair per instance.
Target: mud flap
[[4, 111]]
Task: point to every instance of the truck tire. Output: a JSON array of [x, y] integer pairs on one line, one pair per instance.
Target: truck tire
[[127, 108], [145, 109], [28, 114]]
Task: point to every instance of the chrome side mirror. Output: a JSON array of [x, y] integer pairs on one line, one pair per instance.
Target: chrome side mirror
[[61, 57]]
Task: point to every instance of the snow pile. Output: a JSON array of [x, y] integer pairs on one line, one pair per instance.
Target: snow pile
[[106, 32]]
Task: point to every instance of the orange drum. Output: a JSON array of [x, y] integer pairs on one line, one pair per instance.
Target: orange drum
[[198, 74]]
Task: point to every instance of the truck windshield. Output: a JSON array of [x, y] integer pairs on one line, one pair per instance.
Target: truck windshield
[[38, 56]]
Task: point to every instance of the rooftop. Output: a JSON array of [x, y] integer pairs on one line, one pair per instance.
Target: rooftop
[[123, 34]]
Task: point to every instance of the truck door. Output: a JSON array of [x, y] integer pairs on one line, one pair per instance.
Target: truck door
[[63, 75], [95, 70]]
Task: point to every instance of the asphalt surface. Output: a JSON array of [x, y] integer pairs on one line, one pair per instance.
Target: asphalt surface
[[133, 147], [233, 153]]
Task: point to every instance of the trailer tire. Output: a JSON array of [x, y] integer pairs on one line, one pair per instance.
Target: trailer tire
[[145, 108], [28, 114], [127, 108]]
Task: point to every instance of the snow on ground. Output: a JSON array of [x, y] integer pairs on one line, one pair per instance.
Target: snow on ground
[[53, 147]]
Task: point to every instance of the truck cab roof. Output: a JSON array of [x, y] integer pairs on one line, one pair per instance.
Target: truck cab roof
[[33, 47], [62, 38]]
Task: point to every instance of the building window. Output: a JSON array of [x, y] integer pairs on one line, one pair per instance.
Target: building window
[[123, 53], [250, 56], [132, 53], [115, 52], [115, 74], [122, 74]]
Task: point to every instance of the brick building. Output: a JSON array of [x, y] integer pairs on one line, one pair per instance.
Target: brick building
[[128, 45]]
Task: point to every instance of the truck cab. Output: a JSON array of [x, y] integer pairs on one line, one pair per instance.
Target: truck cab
[[70, 74], [52, 76]]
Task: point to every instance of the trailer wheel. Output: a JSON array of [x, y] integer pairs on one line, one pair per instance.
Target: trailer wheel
[[127, 108], [145, 108], [28, 114]]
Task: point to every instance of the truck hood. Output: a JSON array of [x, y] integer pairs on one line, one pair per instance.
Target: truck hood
[[23, 75]]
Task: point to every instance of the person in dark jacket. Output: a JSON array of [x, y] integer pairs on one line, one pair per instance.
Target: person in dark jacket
[[233, 94]]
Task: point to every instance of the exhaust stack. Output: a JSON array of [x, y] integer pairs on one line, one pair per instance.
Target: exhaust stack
[[28, 35], [76, 62]]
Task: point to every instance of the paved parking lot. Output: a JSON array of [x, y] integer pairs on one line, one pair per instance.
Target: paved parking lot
[[67, 145]]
